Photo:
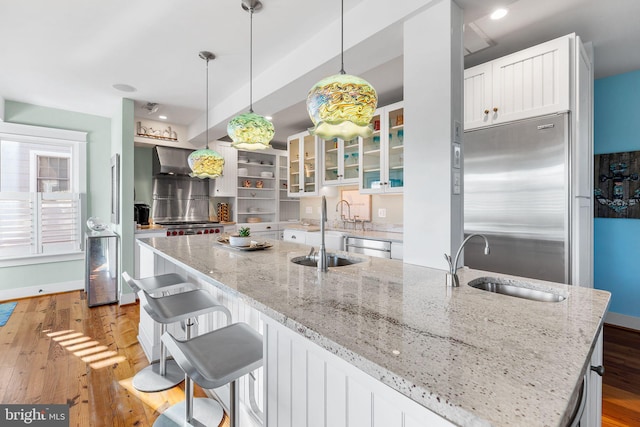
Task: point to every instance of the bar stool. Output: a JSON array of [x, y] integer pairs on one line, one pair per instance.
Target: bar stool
[[212, 360], [163, 374]]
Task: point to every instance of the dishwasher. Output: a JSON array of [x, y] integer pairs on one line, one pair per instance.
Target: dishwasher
[[370, 247]]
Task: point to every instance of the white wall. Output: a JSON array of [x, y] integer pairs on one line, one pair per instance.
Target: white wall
[[433, 70]]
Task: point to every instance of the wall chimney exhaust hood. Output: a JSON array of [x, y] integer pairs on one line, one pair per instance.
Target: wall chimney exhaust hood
[[170, 161]]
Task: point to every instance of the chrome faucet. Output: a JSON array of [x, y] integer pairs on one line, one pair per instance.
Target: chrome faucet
[[339, 205], [452, 276], [322, 253]]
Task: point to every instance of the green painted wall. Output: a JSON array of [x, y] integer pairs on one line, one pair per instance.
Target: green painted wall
[[122, 127], [143, 174], [98, 171]]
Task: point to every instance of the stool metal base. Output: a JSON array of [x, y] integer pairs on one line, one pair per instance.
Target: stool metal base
[[206, 412], [149, 379]]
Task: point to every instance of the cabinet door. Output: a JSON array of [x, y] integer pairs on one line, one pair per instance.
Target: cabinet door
[[371, 167], [394, 152], [350, 162], [225, 186], [340, 162], [532, 82], [331, 161], [293, 148], [309, 165], [477, 96]]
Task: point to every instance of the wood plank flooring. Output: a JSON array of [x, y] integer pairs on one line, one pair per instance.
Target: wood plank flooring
[[621, 380], [54, 349]]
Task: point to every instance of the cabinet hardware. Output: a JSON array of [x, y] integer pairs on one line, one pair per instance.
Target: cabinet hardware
[[486, 111], [495, 109], [598, 369]]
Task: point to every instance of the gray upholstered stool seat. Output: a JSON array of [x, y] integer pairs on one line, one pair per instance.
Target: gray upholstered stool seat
[[163, 374], [160, 283], [212, 360]]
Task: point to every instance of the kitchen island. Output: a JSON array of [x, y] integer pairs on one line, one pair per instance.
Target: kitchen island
[[472, 357]]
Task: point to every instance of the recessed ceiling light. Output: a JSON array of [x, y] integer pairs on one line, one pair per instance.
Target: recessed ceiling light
[[499, 14], [162, 117], [124, 88]]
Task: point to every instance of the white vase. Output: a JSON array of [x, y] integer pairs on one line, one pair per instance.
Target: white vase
[[239, 241]]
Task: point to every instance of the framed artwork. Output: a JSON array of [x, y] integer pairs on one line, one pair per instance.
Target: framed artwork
[[617, 185], [115, 189]]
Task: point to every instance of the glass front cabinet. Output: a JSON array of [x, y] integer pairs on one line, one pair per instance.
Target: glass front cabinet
[[340, 162], [303, 165], [381, 155]]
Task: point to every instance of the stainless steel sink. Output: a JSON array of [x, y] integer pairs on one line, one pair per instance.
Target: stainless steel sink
[[333, 260], [503, 287]]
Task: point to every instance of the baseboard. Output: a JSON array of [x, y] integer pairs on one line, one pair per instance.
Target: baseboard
[[127, 298], [629, 322], [33, 291]]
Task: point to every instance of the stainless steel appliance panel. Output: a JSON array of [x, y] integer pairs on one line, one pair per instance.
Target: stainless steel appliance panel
[[516, 192], [180, 199], [376, 248]]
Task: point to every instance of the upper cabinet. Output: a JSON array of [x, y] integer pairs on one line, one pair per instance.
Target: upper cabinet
[[381, 155], [302, 149], [529, 83], [225, 186], [340, 162]]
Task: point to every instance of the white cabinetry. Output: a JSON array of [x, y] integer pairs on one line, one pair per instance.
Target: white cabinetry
[[396, 250], [592, 415], [303, 165], [528, 83], [381, 155], [340, 162], [264, 231], [296, 236], [307, 386], [225, 186]]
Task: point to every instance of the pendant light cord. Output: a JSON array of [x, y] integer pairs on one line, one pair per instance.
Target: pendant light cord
[[206, 145], [251, 60], [342, 37]]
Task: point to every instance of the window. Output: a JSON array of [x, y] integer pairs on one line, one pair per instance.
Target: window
[[41, 184]]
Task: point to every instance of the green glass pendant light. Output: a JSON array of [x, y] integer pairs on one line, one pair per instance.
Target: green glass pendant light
[[250, 131], [206, 163], [342, 105]]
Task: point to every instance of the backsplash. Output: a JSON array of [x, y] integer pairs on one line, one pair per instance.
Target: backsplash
[[392, 205]]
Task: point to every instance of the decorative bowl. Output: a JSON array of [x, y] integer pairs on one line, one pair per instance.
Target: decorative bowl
[[239, 241], [96, 224]]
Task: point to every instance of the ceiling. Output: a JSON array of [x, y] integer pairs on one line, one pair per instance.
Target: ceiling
[[68, 54]]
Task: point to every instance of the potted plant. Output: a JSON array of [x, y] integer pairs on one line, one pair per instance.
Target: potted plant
[[243, 238]]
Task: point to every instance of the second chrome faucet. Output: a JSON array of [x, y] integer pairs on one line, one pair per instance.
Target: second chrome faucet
[[452, 275]]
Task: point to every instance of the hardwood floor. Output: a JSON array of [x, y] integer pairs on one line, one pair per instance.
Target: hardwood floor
[[54, 349], [621, 381]]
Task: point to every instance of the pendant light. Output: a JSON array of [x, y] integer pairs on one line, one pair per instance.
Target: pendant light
[[250, 131], [342, 105], [206, 163]]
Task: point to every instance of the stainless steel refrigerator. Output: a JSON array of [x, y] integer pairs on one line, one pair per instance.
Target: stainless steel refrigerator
[[517, 189]]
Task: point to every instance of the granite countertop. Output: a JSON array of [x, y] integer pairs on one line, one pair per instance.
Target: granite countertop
[[473, 357]]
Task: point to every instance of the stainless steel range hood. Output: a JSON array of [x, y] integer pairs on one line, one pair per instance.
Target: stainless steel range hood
[[170, 161]]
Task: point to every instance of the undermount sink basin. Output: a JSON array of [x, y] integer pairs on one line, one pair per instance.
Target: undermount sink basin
[[500, 286], [333, 260]]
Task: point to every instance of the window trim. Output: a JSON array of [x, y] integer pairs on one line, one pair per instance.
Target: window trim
[[77, 140]]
